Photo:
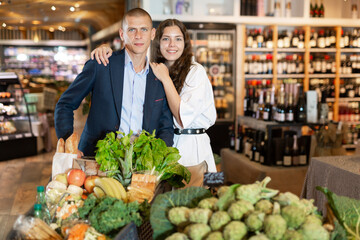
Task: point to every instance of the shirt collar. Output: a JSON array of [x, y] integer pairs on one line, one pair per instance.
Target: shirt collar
[[129, 63]]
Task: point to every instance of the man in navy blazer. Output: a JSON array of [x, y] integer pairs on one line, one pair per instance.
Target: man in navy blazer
[[106, 85]]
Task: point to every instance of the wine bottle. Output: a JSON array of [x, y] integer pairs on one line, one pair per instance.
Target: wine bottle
[[250, 39], [289, 115], [260, 107], [321, 11], [267, 107], [232, 137], [302, 152], [269, 41], [287, 158], [260, 39], [316, 9], [250, 143], [324, 108], [301, 107], [295, 152], [255, 103], [247, 144], [263, 148], [281, 106], [259, 139], [295, 39], [254, 146], [247, 102], [239, 140]]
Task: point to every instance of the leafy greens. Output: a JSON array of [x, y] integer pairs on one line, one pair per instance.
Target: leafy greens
[[119, 157], [346, 210]]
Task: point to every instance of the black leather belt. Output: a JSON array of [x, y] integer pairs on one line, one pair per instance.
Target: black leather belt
[[189, 131]]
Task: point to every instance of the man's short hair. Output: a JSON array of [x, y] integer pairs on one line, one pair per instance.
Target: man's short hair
[[135, 12]]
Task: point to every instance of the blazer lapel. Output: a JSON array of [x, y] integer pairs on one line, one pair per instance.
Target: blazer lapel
[[149, 97], [117, 80]]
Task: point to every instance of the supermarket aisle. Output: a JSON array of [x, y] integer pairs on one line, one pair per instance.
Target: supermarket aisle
[[18, 181]]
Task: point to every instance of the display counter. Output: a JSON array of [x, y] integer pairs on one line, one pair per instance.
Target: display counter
[[340, 174], [239, 169]]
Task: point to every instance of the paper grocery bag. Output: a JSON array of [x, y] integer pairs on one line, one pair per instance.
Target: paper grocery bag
[[62, 162]]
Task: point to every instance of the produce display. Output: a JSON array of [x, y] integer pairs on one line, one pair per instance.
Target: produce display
[[251, 211], [86, 206]]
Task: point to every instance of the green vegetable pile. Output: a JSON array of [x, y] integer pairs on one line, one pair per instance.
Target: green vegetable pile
[[252, 212], [347, 213], [120, 157], [108, 215]]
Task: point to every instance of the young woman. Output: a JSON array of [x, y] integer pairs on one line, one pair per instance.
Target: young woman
[[188, 91]]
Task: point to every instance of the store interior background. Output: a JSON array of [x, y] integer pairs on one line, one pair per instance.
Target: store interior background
[[47, 42]]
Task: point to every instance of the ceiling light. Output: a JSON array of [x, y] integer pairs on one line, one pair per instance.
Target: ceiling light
[[0, 2], [60, 28], [72, 9], [53, 8], [4, 24], [51, 29], [35, 22], [77, 5]]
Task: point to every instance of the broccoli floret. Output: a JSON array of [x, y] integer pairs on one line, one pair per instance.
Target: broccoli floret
[[259, 237], [222, 190], [235, 230], [255, 221], [240, 208], [179, 216], [89, 204], [198, 231], [110, 214], [255, 192], [313, 219], [264, 206], [219, 219], [292, 235], [177, 236], [215, 236], [209, 203], [314, 232], [294, 216], [200, 215], [274, 226]]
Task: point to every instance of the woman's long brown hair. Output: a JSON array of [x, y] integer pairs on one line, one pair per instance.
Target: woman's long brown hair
[[181, 67]]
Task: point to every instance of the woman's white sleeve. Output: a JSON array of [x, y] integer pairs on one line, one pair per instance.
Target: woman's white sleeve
[[197, 108]]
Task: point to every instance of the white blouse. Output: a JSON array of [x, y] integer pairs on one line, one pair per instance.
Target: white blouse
[[197, 110]]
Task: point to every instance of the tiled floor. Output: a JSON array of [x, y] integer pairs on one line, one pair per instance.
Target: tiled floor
[[18, 181]]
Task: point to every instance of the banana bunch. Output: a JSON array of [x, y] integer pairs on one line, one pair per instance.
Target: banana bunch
[[110, 187]]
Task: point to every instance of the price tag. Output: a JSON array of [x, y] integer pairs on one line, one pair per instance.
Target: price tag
[[214, 179], [5, 138], [27, 134], [17, 136]]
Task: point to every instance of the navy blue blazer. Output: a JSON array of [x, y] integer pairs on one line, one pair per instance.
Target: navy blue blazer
[[106, 87]]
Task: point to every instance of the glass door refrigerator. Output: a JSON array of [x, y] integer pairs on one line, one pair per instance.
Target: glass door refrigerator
[[214, 48]]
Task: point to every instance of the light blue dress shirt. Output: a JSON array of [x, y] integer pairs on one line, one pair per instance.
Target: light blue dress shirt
[[132, 109]]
